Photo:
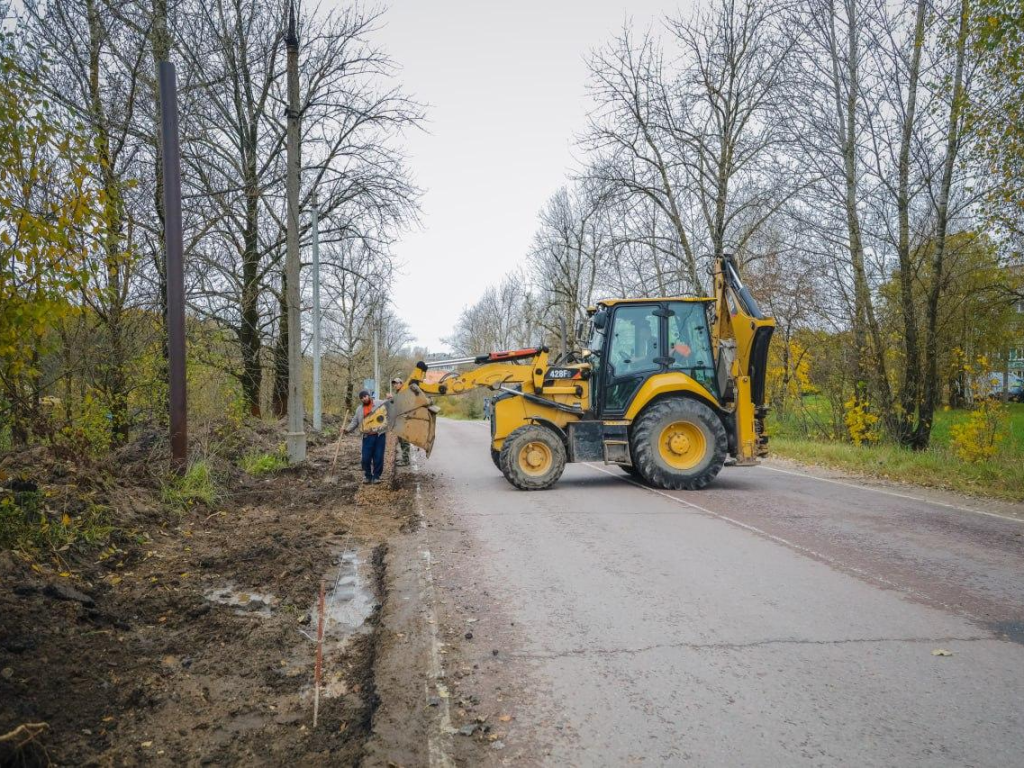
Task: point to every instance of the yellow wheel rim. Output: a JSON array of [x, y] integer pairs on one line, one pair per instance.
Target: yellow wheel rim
[[535, 458], [682, 445]]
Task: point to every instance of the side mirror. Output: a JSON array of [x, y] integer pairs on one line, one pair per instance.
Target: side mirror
[[601, 319]]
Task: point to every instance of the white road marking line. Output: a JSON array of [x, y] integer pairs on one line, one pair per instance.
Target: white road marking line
[[439, 742], [893, 493], [791, 544]]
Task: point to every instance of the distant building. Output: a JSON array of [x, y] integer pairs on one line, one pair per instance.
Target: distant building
[[1016, 354], [1009, 365]]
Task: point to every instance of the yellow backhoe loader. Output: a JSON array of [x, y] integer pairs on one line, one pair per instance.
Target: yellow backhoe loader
[[667, 388]]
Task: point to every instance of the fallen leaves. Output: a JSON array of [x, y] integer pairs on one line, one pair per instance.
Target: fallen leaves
[[941, 652]]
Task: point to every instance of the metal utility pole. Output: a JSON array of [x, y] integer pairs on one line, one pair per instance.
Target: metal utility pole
[[317, 407], [174, 260], [296, 436]]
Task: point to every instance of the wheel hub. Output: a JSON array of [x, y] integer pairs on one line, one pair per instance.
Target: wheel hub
[[682, 445], [679, 444], [535, 458]]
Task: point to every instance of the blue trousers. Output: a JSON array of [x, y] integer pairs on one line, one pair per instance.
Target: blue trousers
[[373, 455]]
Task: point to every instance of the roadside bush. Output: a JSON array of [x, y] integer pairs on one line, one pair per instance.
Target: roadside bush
[[978, 437], [860, 422], [88, 435]]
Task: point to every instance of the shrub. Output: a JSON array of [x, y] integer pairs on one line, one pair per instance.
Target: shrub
[[978, 437], [89, 434], [860, 422]]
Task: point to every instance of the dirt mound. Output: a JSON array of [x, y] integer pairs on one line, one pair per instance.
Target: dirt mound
[[134, 655]]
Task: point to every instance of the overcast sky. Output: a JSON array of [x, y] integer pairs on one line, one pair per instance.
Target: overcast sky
[[505, 85]]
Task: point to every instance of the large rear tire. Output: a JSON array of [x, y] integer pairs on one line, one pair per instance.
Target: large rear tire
[[679, 444], [532, 458]]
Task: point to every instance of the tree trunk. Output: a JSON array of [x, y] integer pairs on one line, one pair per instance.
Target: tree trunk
[[114, 377], [160, 43], [249, 332], [902, 425], [932, 387], [864, 320]]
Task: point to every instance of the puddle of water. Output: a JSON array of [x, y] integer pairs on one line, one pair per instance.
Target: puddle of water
[[242, 600], [349, 601]]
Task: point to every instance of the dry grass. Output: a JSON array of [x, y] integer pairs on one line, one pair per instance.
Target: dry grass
[[938, 467]]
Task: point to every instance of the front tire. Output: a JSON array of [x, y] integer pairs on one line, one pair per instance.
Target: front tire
[[532, 458], [679, 444]]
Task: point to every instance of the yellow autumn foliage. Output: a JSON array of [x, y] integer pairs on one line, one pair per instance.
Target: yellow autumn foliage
[[798, 362], [860, 422], [978, 437]]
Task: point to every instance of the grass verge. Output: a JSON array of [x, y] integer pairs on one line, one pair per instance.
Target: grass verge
[[196, 486], [261, 463], [937, 467], [467, 407]]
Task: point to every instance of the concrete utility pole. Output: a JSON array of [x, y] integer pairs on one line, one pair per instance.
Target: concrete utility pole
[[317, 408], [376, 359], [296, 436]]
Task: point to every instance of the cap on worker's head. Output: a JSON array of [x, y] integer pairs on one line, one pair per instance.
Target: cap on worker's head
[[364, 393]]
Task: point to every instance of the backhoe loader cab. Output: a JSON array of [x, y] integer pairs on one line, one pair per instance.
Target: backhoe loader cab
[[667, 388]]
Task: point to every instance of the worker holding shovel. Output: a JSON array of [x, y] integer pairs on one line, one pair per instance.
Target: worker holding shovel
[[373, 424]]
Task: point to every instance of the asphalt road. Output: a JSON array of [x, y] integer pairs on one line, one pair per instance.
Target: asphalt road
[[773, 619]]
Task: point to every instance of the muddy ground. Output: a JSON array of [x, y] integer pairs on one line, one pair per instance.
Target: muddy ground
[[189, 640]]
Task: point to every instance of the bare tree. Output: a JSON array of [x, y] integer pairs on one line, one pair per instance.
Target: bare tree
[[566, 256], [955, 134], [351, 117], [626, 133], [732, 120], [505, 317], [94, 71]]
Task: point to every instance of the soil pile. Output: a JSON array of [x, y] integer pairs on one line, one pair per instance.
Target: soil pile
[[187, 638]]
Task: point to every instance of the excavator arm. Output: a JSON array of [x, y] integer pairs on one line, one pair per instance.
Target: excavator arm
[[411, 413], [493, 370]]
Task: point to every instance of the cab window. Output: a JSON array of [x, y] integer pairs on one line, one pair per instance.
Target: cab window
[[689, 342], [635, 340]]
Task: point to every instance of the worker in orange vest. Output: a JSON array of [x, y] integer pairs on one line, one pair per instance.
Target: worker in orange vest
[[374, 436]]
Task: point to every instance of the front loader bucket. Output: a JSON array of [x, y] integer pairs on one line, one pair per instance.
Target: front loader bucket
[[412, 416]]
